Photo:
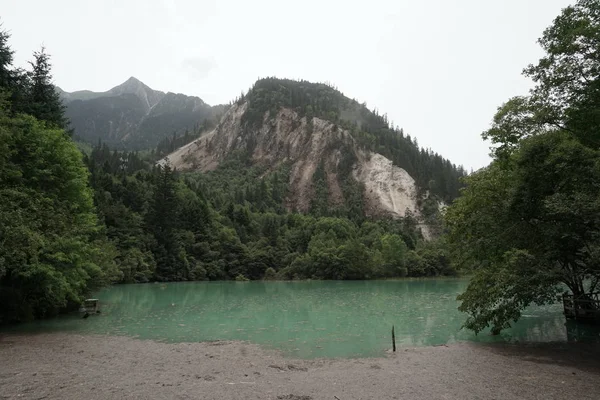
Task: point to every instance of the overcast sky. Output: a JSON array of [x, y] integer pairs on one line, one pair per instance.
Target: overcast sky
[[438, 68]]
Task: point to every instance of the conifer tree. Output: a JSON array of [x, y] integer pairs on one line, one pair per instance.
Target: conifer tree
[[44, 102], [6, 59]]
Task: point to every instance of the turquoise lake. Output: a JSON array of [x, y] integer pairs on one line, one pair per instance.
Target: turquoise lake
[[305, 319]]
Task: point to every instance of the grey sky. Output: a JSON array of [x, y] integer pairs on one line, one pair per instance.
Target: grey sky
[[438, 68]]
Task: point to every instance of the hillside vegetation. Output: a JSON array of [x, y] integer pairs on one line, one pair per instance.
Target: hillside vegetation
[[372, 131], [331, 149], [231, 224]]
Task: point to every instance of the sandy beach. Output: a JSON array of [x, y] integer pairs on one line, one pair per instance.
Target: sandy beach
[[70, 366]]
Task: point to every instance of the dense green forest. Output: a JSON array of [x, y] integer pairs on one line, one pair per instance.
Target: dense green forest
[[231, 224], [527, 227], [72, 222]]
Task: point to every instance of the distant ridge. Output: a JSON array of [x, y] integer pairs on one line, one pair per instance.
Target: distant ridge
[[132, 115]]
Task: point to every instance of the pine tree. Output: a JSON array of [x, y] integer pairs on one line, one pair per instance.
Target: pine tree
[[13, 81], [162, 221], [6, 59], [44, 102]]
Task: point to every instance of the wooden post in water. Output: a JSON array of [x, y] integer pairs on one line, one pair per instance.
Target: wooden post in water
[[393, 339]]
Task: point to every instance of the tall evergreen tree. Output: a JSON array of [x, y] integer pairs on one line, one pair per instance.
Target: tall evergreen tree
[[44, 102], [162, 222], [13, 81], [6, 59]]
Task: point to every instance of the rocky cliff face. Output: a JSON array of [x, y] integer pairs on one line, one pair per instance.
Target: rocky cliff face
[[305, 144], [132, 115]]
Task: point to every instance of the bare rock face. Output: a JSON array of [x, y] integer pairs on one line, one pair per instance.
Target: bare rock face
[[287, 137], [388, 189]]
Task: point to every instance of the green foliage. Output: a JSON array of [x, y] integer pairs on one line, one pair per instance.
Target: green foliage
[[171, 143], [232, 222], [270, 274], [567, 80], [53, 252], [237, 186], [6, 60], [30, 92], [568, 77], [528, 225], [319, 205], [393, 255], [430, 259], [162, 223], [43, 101]]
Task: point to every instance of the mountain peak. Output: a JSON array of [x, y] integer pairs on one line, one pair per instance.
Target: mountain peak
[[133, 116], [131, 85], [133, 79], [148, 96]]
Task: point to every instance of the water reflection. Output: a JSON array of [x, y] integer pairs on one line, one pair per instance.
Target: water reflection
[[305, 319]]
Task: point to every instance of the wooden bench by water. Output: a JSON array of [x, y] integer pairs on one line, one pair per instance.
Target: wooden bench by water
[[584, 308], [90, 307]]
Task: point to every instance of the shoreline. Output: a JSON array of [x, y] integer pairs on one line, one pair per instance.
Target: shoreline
[[74, 366]]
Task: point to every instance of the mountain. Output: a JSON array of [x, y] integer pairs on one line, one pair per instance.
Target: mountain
[[132, 115], [338, 154]]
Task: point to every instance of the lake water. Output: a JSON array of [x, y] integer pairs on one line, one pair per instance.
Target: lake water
[[304, 319]]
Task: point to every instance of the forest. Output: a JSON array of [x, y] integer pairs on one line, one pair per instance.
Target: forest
[[73, 221], [527, 227]]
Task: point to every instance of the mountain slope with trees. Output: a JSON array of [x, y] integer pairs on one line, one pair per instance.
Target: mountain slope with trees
[[230, 223], [370, 130], [341, 158], [133, 116]]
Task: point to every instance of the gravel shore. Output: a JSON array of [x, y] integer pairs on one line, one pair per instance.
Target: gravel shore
[[70, 366]]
